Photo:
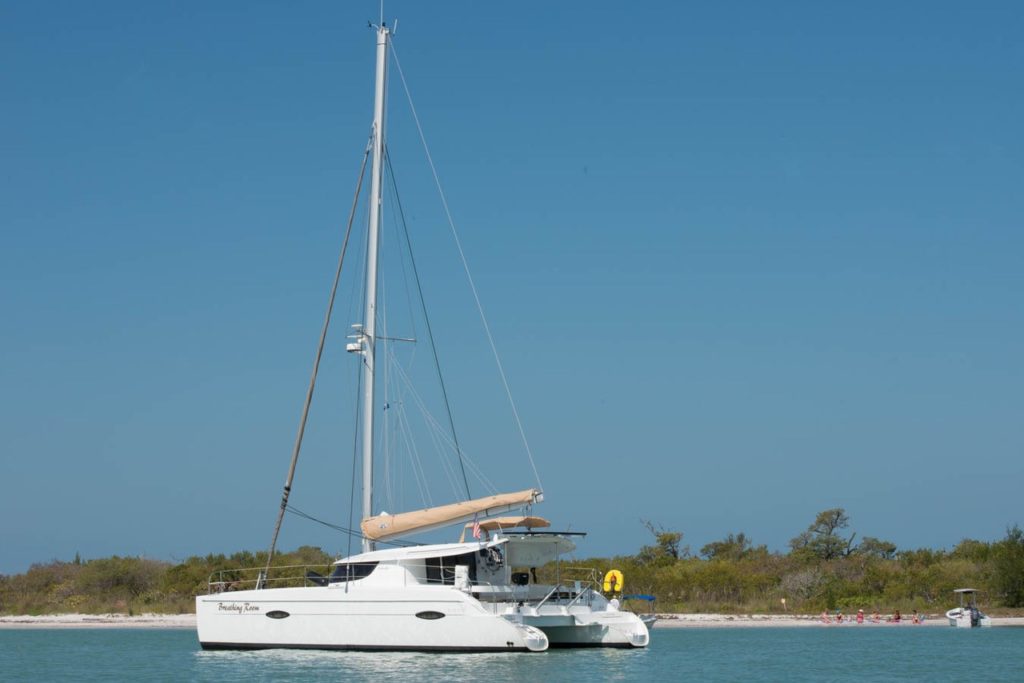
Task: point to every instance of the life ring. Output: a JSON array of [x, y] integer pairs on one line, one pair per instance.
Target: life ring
[[613, 581]]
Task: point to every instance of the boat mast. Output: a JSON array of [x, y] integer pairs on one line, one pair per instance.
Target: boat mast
[[368, 333]]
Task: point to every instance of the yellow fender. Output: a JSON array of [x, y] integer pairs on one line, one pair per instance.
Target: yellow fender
[[613, 581]]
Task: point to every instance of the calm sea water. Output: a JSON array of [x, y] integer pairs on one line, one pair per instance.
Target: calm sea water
[[765, 654]]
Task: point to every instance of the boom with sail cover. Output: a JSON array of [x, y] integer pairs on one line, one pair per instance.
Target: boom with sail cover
[[384, 526]]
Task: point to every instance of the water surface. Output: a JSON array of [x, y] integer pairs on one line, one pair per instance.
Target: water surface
[[715, 654]]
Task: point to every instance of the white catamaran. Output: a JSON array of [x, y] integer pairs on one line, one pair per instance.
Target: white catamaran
[[480, 594]]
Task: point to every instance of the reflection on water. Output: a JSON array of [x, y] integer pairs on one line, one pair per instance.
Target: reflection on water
[[608, 664]]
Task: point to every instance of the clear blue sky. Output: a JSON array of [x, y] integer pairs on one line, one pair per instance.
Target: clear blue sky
[[744, 262]]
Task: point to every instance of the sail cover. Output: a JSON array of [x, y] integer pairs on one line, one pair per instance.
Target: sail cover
[[384, 526]]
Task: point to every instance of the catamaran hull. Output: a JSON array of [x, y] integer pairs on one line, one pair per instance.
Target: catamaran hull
[[584, 628], [328, 619]]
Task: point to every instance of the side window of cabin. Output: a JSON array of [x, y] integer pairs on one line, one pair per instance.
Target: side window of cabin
[[352, 572], [433, 565], [441, 570]]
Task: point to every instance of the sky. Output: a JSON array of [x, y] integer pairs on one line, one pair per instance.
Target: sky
[[743, 262]]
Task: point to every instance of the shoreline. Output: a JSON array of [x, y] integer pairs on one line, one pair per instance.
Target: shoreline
[[778, 621], [804, 621], [665, 621], [145, 621]]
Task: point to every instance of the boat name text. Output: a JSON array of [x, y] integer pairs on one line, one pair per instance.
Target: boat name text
[[236, 607]]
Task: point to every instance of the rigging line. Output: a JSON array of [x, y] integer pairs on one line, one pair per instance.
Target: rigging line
[[419, 473], [316, 362], [305, 515], [426, 317], [437, 432], [393, 410], [398, 405], [356, 297], [465, 266], [401, 260], [385, 454], [447, 466], [402, 424], [355, 459]]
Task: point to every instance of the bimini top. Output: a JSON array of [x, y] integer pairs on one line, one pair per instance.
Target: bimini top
[[508, 523]]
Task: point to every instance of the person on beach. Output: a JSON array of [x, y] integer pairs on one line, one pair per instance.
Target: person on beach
[[896, 617], [860, 616], [825, 618], [876, 618], [839, 616]]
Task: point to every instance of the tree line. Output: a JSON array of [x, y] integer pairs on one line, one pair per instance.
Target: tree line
[[133, 585], [825, 567]]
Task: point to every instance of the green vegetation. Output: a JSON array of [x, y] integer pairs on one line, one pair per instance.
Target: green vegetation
[[1007, 558], [824, 569], [133, 585]]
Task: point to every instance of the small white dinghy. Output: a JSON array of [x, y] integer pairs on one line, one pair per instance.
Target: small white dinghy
[[967, 615]]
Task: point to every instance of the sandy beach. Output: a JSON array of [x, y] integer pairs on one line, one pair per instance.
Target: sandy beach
[[664, 621], [802, 620], [775, 621], [99, 621]]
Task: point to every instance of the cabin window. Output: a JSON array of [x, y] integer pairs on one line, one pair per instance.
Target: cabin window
[[441, 570], [352, 571]]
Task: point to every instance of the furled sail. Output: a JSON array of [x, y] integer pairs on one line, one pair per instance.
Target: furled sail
[[384, 526]]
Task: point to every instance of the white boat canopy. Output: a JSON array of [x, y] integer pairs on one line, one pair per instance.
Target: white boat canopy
[[498, 523], [965, 590], [383, 526], [535, 551]]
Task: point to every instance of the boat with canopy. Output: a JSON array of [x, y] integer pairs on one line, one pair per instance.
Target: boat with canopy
[[967, 615]]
